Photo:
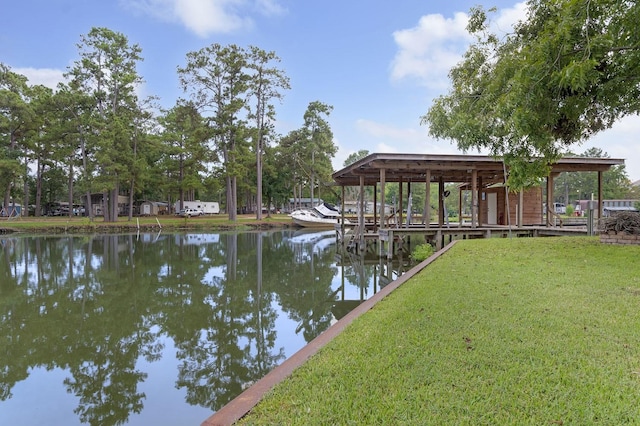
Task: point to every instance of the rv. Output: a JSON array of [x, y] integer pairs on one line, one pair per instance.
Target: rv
[[207, 207]]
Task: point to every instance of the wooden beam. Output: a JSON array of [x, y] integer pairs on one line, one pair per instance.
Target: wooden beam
[[549, 199], [599, 215], [427, 199], [382, 182], [474, 198], [440, 202]]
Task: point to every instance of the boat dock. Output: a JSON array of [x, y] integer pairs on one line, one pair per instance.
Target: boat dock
[[389, 240]]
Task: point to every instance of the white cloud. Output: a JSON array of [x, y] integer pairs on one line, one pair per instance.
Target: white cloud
[[428, 51], [388, 138], [270, 7], [48, 77], [206, 17]]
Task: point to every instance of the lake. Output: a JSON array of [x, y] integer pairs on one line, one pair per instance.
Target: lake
[[163, 328]]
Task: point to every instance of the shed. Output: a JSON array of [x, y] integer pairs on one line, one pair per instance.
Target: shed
[[153, 208]]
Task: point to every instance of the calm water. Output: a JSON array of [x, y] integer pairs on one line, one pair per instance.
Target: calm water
[[162, 329]]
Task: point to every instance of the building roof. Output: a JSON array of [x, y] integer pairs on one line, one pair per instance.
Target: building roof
[[452, 168]]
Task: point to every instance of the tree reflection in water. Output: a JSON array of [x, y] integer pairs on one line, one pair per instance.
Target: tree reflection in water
[[102, 308]]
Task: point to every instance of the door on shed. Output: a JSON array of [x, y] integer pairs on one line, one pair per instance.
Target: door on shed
[[492, 208]]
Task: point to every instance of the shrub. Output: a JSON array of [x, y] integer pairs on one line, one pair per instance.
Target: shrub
[[421, 252], [569, 211], [627, 222]]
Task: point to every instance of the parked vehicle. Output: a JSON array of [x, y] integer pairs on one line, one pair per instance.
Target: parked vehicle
[[559, 208], [207, 207], [188, 212]]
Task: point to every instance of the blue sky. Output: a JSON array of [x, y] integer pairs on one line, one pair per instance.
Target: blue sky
[[378, 63]]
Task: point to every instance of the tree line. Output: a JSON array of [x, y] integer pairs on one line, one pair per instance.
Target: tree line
[[94, 134]]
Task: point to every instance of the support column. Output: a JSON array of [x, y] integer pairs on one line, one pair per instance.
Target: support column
[[427, 200], [441, 202], [342, 214], [460, 207], [599, 215], [375, 208], [549, 199], [520, 208], [480, 201], [382, 182], [400, 203], [361, 224], [474, 198]]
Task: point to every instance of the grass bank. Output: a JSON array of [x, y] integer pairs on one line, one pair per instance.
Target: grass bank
[[496, 331], [83, 224]]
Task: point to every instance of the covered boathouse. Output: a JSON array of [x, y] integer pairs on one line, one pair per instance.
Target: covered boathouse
[[494, 209]]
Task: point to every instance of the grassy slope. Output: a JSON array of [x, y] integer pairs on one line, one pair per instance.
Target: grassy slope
[[497, 331], [83, 224]]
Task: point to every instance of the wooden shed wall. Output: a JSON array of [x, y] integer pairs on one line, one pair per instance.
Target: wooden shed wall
[[532, 201]]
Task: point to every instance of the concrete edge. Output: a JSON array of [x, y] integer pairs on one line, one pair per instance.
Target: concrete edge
[[243, 403]]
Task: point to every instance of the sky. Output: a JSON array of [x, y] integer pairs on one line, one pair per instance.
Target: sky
[[379, 64]]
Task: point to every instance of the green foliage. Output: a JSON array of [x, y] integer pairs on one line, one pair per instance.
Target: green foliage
[[422, 252], [355, 156], [569, 210], [567, 72], [572, 186]]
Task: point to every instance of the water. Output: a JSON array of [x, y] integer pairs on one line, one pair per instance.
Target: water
[[162, 329]]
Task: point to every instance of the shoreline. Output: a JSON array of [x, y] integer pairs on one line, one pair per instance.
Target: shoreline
[[82, 225]]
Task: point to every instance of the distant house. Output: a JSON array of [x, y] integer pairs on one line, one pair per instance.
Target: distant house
[[97, 203]]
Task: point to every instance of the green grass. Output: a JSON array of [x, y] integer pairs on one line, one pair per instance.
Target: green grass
[[496, 332], [83, 224]]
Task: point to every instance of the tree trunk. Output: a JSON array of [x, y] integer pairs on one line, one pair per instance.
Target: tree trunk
[[131, 188], [39, 173], [25, 201], [113, 203], [70, 199], [259, 183], [105, 206]]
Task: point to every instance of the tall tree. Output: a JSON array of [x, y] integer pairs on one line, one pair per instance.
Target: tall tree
[[107, 72], [567, 72], [264, 86], [355, 156], [185, 136], [319, 145], [15, 118], [217, 80]]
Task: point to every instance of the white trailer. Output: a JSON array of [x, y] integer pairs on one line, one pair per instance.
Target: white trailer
[[208, 207]]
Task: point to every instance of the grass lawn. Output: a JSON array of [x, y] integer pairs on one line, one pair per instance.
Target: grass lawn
[[537, 331], [83, 224]]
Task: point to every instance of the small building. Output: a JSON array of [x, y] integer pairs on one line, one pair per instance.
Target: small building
[[13, 210], [153, 208]]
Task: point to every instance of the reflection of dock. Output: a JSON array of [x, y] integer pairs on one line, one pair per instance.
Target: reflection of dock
[[389, 241], [353, 271]]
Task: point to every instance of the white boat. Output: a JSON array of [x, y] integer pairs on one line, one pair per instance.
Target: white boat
[[321, 216]]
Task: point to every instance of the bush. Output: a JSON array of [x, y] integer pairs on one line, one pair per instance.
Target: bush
[[569, 211], [421, 252], [627, 222]]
